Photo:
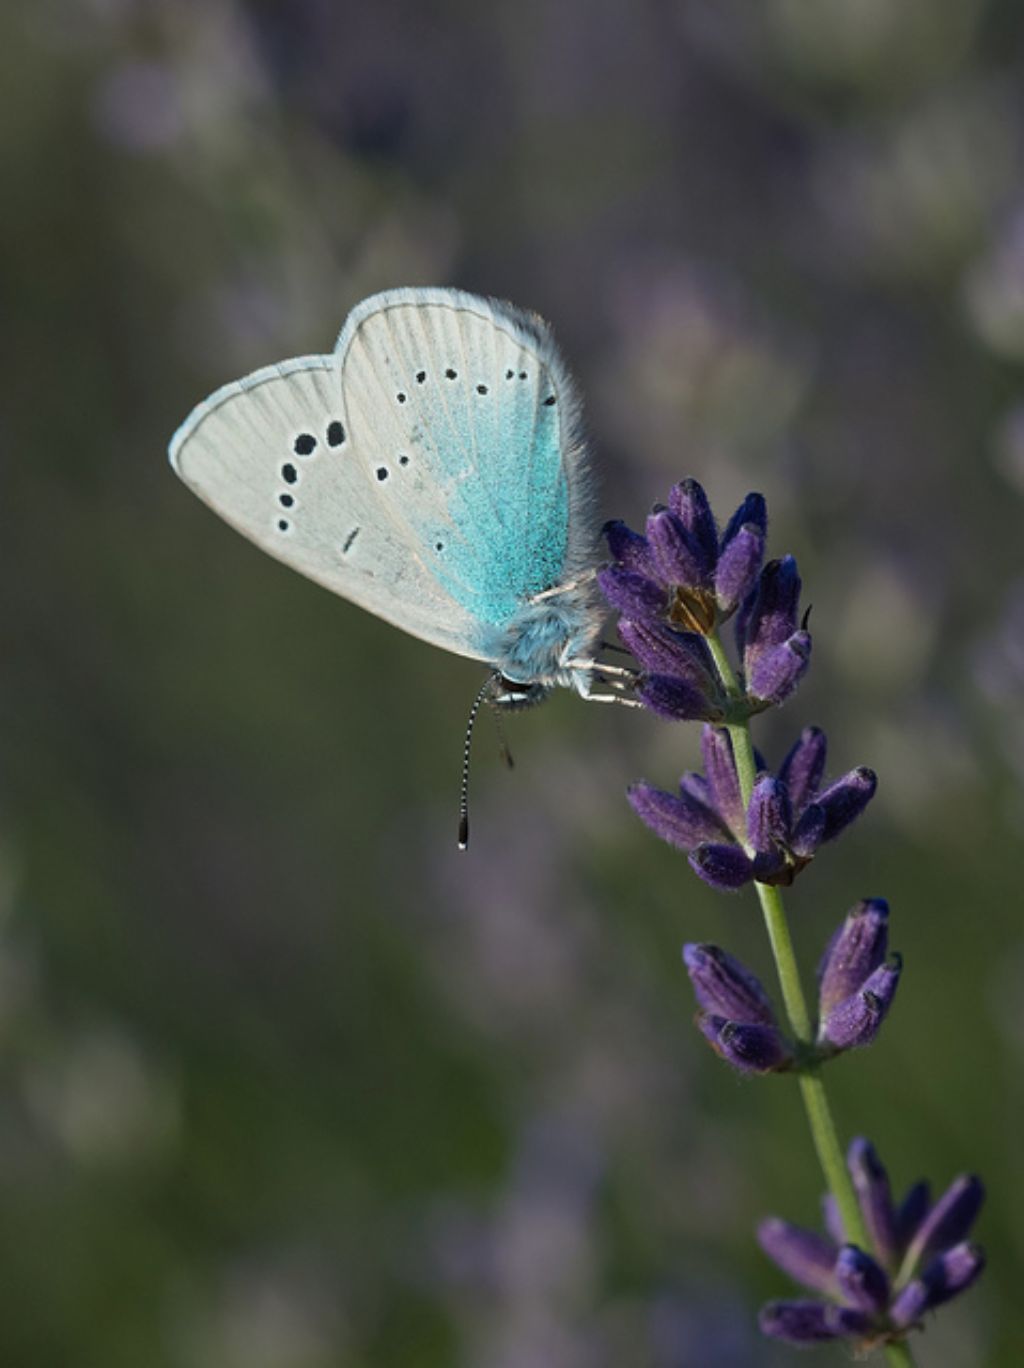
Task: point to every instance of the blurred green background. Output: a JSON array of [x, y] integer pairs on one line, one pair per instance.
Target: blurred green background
[[285, 1081]]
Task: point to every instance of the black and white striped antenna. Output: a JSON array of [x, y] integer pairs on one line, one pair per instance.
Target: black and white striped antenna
[[486, 688]]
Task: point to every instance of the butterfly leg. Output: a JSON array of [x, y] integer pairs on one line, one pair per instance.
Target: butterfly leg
[[600, 668], [621, 699], [564, 588]]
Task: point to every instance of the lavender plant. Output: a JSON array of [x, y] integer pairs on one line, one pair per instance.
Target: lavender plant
[[882, 1265]]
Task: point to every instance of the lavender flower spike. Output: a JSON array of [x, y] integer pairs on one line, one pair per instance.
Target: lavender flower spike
[[855, 1022], [854, 952], [692, 578], [680, 683], [776, 838], [722, 984], [945, 1277], [856, 982], [861, 1281], [776, 649], [875, 1296], [811, 1322], [741, 554], [807, 1257], [747, 1046], [735, 1016], [949, 1220], [871, 1183]]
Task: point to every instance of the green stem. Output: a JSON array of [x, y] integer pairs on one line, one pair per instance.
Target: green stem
[[812, 1087], [899, 1355]]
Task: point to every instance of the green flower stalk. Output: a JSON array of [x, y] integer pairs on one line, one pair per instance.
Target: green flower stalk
[[881, 1267]]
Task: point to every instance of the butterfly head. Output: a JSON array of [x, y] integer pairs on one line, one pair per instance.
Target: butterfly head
[[509, 693]]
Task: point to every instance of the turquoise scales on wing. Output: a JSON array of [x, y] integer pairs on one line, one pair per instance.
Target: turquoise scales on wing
[[507, 544], [485, 419]]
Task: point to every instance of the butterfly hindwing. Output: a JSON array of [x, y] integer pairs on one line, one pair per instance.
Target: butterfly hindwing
[[274, 456]]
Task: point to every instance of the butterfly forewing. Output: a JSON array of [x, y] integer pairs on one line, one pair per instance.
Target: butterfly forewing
[[473, 397]]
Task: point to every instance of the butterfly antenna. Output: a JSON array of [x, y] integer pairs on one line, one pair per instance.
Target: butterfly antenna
[[474, 712]]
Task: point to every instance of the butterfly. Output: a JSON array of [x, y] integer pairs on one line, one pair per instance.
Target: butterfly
[[430, 469]]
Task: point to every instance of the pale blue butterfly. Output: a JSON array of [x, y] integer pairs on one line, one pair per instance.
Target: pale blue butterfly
[[431, 469]]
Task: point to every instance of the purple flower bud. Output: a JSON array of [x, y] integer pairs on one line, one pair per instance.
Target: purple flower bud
[[725, 867], [773, 674], [629, 549], [945, 1277], [690, 505], [856, 1021], [772, 867], [912, 1212], [861, 1281], [949, 1220], [635, 596], [747, 1046], [808, 1258], [803, 767], [846, 799], [724, 986], [662, 650], [833, 1220], [680, 819], [723, 781], [677, 699], [752, 512], [679, 562], [696, 786], [854, 952], [874, 1195], [773, 614], [809, 832], [809, 1322], [768, 815], [738, 566]]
